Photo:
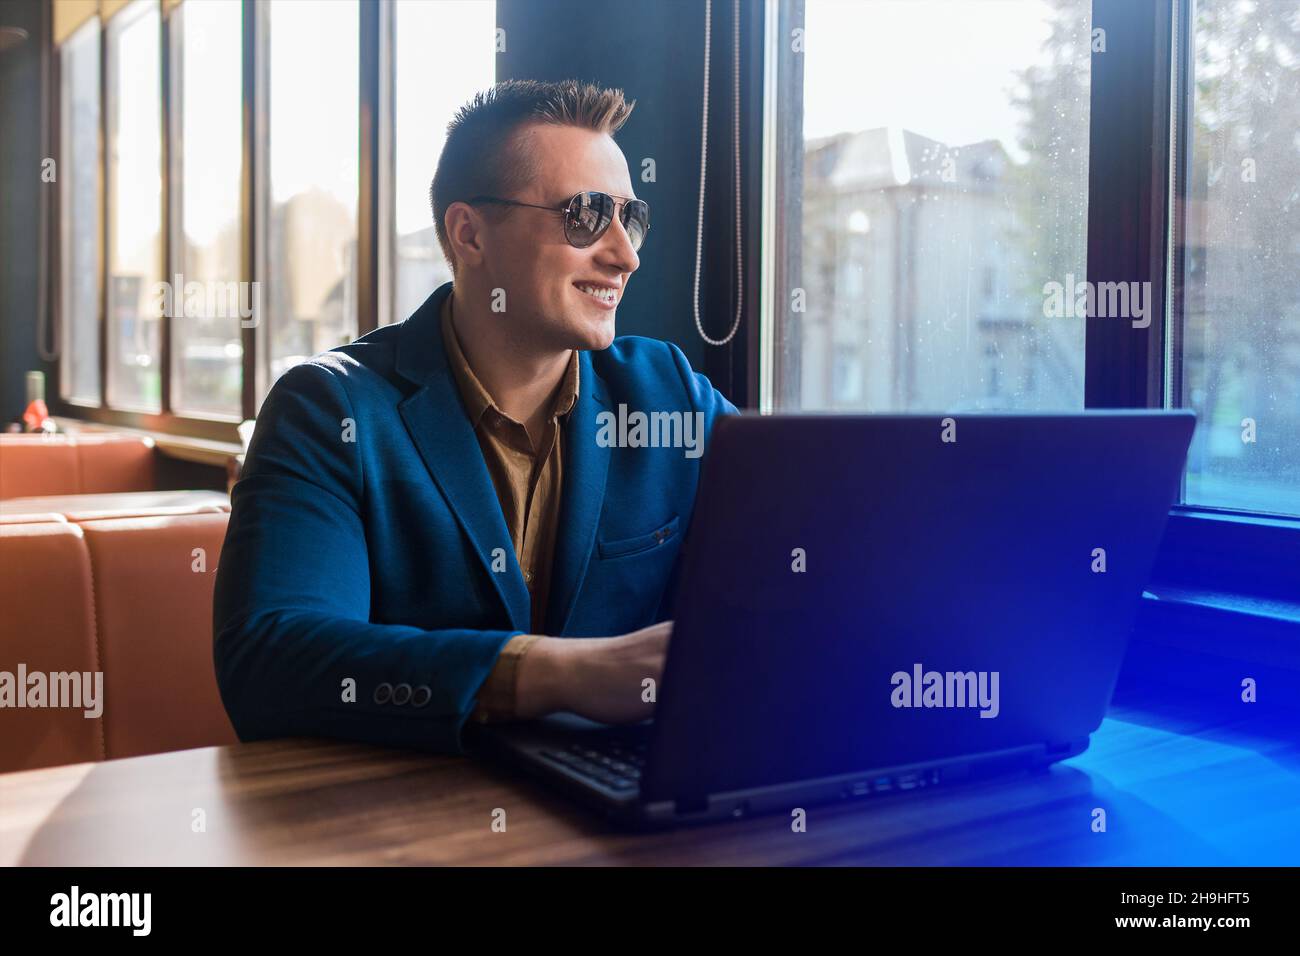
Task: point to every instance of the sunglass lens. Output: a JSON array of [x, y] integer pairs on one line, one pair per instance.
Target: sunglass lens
[[636, 220], [588, 217]]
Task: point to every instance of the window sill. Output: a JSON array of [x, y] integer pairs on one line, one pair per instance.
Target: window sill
[[1219, 624], [1196, 649], [203, 451], [1240, 605], [1225, 584]]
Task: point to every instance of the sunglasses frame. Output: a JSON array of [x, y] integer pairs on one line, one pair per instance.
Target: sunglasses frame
[[621, 205]]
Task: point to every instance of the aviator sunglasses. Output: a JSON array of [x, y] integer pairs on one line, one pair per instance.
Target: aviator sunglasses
[[588, 214]]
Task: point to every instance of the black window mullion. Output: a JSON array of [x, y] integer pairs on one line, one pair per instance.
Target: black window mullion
[[170, 209], [787, 219], [746, 372], [386, 164], [104, 186], [367, 273], [54, 236], [248, 209], [1128, 198], [1183, 74]]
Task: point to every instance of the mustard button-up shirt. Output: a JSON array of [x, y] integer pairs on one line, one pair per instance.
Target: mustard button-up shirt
[[527, 479]]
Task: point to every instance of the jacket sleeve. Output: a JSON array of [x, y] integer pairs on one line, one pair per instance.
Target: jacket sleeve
[[295, 651], [700, 391]]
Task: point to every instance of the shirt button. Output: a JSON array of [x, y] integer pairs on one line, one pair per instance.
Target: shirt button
[[528, 576]]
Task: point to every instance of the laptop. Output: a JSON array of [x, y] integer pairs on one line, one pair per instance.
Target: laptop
[[875, 604]]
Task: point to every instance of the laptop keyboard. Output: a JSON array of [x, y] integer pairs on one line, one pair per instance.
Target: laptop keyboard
[[615, 764]]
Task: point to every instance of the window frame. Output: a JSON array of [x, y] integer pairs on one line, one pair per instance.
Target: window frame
[[257, 61], [1146, 156], [373, 60], [173, 205], [134, 9], [103, 413]]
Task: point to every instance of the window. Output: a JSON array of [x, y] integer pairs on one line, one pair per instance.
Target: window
[[80, 223], [308, 256], [210, 302], [272, 95], [1240, 284], [134, 179], [944, 188], [427, 92]]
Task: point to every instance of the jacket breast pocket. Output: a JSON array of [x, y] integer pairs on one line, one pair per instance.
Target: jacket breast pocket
[[623, 547]]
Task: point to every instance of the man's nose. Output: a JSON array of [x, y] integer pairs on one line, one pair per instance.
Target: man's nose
[[615, 248]]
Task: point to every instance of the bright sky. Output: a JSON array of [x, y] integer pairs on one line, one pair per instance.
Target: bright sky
[[940, 68]]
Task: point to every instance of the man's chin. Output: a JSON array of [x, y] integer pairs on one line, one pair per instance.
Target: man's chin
[[597, 335]]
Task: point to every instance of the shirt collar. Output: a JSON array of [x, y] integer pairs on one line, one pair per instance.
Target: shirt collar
[[476, 398]]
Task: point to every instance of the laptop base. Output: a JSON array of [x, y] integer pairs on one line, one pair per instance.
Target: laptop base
[[534, 747]]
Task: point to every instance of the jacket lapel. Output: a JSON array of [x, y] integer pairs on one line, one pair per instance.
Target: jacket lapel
[[441, 431], [586, 465]]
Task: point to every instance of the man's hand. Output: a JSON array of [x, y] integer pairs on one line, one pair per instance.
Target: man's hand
[[599, 678]]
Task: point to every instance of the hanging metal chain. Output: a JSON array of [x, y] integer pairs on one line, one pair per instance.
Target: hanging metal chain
[[704, 156]]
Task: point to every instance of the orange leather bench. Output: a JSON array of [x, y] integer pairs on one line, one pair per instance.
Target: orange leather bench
[[75, 464], [130, 597], [48, 624]]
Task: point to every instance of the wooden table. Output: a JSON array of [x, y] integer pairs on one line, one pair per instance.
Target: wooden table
[[1176, 791]]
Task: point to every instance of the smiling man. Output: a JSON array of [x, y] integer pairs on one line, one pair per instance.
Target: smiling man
[[428, 515]]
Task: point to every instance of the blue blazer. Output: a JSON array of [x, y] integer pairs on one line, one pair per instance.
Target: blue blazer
[[355, 593]]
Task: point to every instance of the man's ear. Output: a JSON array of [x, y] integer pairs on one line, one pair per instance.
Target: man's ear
[[464, 227]]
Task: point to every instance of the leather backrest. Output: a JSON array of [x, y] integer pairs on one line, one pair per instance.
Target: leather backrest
[[74, 464], [153, 602], [47, 626]]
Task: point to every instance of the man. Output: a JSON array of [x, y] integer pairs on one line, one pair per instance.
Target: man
[[428, 514]]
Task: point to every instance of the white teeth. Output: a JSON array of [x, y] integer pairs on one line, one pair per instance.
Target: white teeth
[[605, 295]]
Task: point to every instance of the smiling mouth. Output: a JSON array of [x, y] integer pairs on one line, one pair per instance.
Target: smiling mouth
[[599, 293]]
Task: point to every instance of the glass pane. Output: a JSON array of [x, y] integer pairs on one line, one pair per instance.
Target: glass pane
[[208, 299], [309, 269], [427, 92], [1241, 281], [134, 207], [944, 193], [80, 222]]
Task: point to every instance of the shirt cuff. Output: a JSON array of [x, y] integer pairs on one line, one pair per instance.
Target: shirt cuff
[[498, 696]]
